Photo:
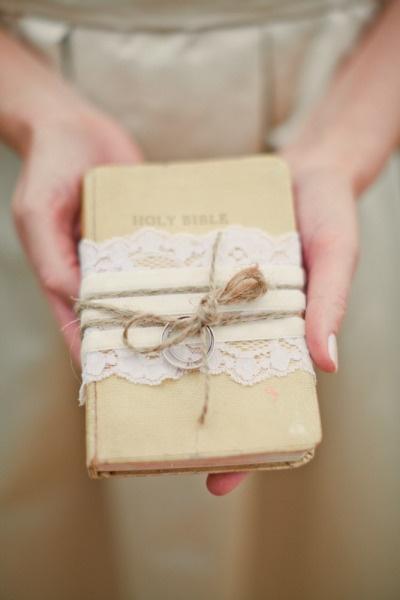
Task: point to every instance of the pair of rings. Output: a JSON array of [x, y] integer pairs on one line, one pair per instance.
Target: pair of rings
[[172, 356]]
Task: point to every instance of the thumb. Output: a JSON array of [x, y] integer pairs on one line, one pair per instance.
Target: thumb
[[328, 227]]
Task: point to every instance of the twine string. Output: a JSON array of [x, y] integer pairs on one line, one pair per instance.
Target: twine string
[[246, 285]]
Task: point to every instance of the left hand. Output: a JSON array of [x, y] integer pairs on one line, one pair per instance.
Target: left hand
[[338, 152], [326, 219]]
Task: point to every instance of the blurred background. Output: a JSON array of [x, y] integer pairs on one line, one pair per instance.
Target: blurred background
[[329, 530]]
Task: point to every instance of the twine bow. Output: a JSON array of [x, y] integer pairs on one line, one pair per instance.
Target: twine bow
[[246, 285]]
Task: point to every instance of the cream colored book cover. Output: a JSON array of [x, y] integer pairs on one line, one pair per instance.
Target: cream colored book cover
[[153, 226]]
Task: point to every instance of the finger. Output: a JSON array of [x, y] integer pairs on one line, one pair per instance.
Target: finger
[[330, 274], [330, 245], [54, 261], [68, 324], [220, 484], [47, 231]]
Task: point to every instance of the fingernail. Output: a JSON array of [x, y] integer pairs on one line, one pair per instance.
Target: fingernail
[[332, 350]]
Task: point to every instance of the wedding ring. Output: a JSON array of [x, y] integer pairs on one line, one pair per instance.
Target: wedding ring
[[172, 355]]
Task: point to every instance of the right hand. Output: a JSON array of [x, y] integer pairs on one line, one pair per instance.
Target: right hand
[[46, 204]]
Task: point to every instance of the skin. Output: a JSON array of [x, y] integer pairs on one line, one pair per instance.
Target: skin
[[338, 153]]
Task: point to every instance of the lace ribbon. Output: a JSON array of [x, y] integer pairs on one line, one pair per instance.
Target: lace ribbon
[[247, 361]]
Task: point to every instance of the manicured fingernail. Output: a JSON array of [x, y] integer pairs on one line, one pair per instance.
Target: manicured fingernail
[[332, 350]]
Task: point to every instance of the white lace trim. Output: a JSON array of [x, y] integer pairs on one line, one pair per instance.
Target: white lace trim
[[246, 362], [154, 249]]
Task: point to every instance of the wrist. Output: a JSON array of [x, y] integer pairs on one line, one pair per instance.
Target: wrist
[[33, 95], [23, 125], [37, 99]]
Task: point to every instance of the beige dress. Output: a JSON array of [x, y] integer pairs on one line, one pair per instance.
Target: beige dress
[[199, 79]]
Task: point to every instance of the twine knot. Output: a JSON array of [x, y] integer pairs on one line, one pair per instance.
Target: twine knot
[[248, 284]]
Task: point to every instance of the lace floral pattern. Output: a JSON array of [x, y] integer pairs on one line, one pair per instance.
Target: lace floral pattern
[[246, 362], [155, 249]]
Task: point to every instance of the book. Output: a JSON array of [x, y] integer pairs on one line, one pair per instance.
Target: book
[[149, 232]]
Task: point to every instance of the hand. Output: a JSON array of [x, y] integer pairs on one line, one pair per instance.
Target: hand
[[326, 219], [46, 204], [338, 152]]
